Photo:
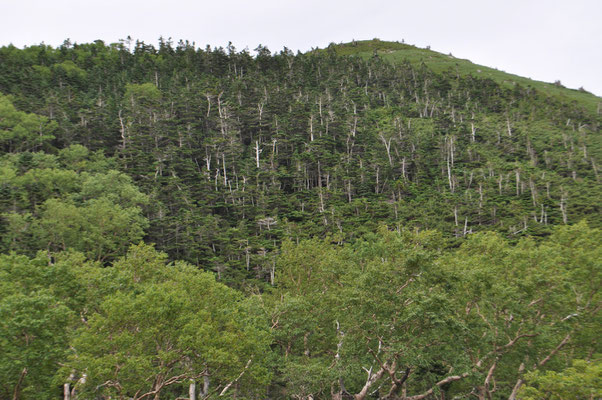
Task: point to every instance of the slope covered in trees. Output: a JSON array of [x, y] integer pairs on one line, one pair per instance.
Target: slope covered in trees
[[237, 152], [358, 221]]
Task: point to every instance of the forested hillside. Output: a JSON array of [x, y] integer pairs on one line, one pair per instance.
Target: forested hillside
[[363, 221]]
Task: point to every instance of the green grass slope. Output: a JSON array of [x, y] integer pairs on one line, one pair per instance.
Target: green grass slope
[[398, 52]]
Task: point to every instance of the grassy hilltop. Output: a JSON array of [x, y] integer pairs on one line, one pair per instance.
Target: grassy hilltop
[[396, 52]]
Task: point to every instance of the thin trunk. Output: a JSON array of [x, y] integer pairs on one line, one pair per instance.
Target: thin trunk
[[563, 200], [369, 382], [518, 384], [456, 215], [17, 390], [192, 390], [438, 384], [387, 144], [257, 153], [206, 382], [229, 385], [224, 166], [122, 131], [222, 114], [403, 168], [472, 132], [66, 391]]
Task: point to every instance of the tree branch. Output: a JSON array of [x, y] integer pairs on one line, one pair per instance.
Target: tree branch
[[170, 381], [439, 384], [237, 378], [553, 352], [19, 382], [369, 382]]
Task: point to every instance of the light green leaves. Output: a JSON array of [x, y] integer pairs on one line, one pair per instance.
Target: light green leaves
[[20, 131], [36, 316], [87, 208], [171, 323], [583, 380]]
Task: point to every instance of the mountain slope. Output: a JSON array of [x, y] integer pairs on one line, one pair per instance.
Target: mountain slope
[[237, 153], [393, 229]]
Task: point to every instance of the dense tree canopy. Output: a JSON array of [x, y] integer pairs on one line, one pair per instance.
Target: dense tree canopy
[[187, 223]]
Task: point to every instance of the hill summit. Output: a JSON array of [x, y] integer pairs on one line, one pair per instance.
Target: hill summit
[[396, 52]]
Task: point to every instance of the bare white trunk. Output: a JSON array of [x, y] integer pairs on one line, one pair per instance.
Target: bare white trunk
[[224, 167], [456, 215], [260, 109], [533, 191], [452, 148], [192, 390], [449, 177], [274, 150], [122, 130], [207, 159], [387, 144], [257, 153], [205, 391], [66, 391], [208, 104], [517, 386], [372, 378], [403, 168], [223, 392], [563, 200], [221, 113]]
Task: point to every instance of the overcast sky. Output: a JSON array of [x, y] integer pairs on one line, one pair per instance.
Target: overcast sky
[[546, 40]]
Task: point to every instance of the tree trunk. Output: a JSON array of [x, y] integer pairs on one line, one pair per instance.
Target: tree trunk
[[192, 390], [369, 382], [66, 392], [17, 391], [205, 391], [518, 384]]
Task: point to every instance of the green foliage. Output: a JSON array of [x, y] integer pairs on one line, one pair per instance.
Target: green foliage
[[175, 324], [583, 380], [278, 175], [365, 307], [87, 208], [100, 228], [398, 52], [38, 301], [143, 94], [70, 71], [20, 131], [320, 143], [398, 306], [33, 340]]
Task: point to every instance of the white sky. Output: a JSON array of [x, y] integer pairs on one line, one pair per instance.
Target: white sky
[[542, 39]]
